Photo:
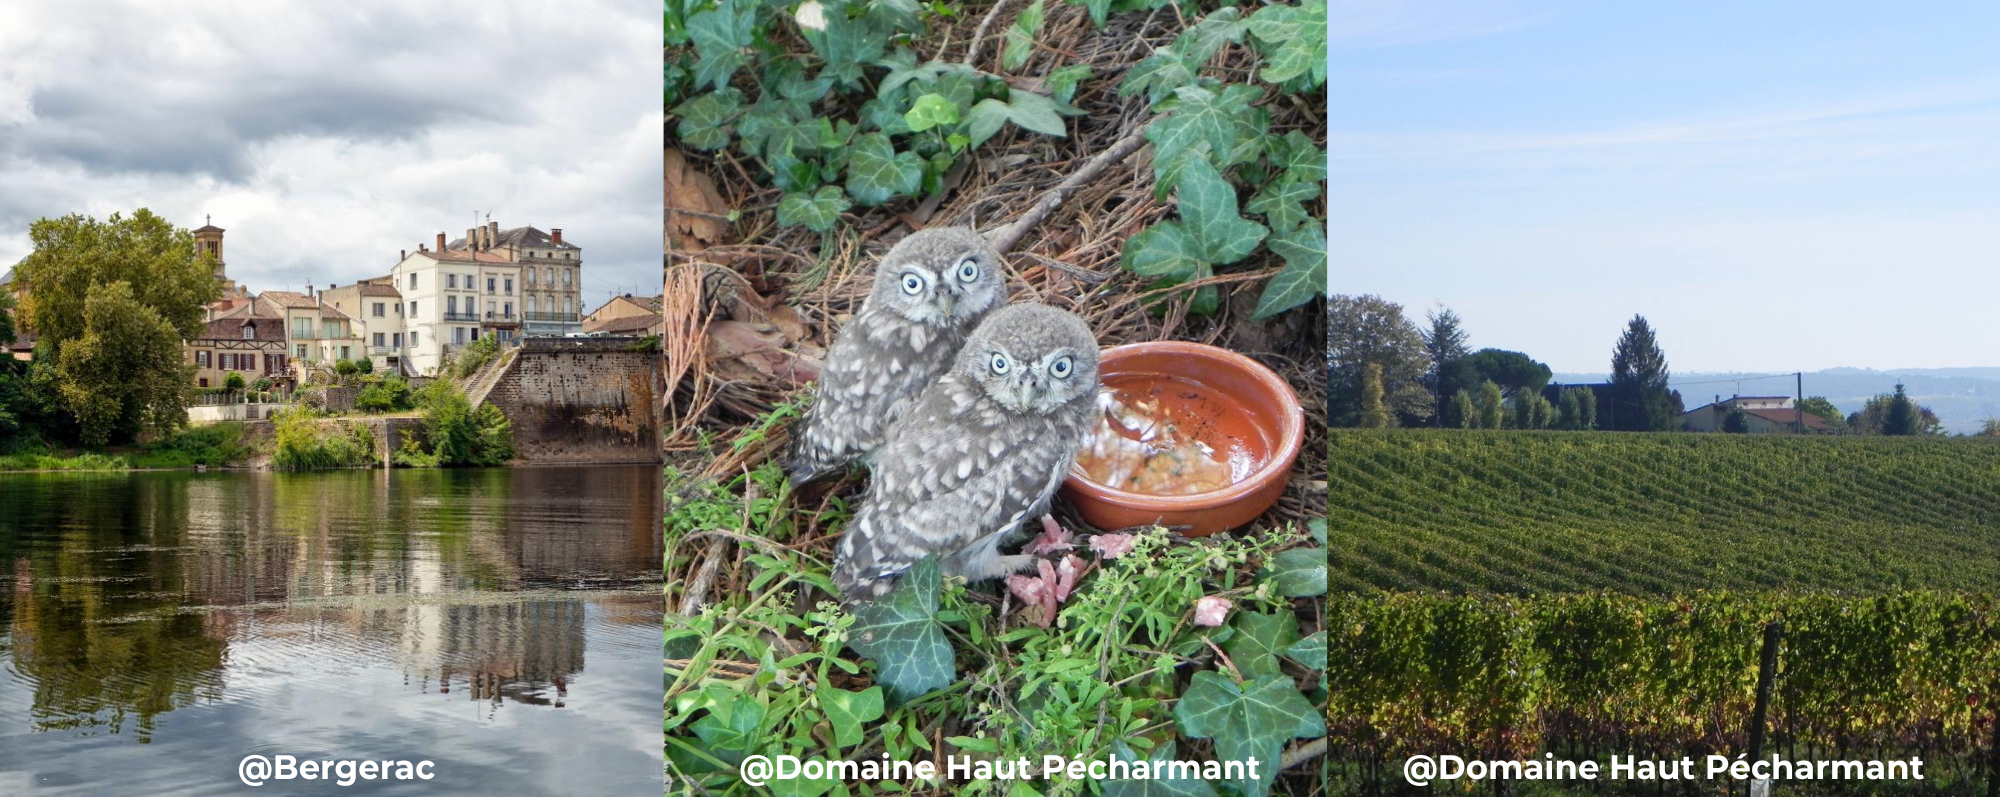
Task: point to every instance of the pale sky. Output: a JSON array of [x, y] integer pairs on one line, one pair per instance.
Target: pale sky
[[325, 137], [1776, 186]]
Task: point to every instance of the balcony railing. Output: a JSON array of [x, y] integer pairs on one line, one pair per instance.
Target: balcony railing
[[569, 318], [453, 315], [502, 318]]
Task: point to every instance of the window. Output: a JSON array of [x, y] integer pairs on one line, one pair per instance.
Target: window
[[302, 328], [566, 278], [510, 286], [379, 313], [507, 310], [396, 339], [489, 285], [451, 280], [300, 351], [344, 354], [226, 361], [201, 359], [458, 334], [379, 337], [451, 305], [332, 329], [249, 332], [549, 275], [413, 338], [413, 280], [413, 309], [489, 309], [531, 275]]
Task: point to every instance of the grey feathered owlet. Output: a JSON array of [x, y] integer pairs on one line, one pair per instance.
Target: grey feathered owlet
[[982, 450], [930, 290]]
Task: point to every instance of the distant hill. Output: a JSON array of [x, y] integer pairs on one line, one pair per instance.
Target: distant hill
[[1963, 398]]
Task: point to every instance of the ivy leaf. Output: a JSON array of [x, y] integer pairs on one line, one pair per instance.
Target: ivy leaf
[[1223, 26], [1166, 252], [1304, 275], [1310, 651], [1299, 572], [1062, 82], [903, 68], [1198, 116], [1258, 641], [705, 119], [898, 14], [1153, 787], [877, 173], [846, 45], [1021, 37], [1299, 158], [731, 728], [931, 110], [901, 633], [848, 711], [719, 35], [1157, 75], [1099, 10], [1207, 205], [817, 212], [1283, 204], [1251, 720], [1038, 113], [1317, 527], [1294, 39]]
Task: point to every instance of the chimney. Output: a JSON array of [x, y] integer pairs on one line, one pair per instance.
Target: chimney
[[402, 255], [471, 239], [440, 242], [556, 235], [492, 234]]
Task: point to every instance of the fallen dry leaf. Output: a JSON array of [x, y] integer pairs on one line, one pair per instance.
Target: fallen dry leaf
[[687, 189]]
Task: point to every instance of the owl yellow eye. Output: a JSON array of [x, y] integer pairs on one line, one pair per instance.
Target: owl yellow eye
[[968, 270], [1000, 364], [913, 284], [1060, 368]]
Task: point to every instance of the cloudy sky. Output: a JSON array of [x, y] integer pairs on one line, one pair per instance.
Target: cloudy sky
[[1776, 186], [325, 137]]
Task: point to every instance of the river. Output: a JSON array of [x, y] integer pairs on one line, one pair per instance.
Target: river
[[155, 628]]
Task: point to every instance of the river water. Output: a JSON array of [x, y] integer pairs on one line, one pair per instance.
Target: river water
[[155, 628]]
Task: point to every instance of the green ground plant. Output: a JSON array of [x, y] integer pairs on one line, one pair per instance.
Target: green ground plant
[[455, 433], [1122, 670]]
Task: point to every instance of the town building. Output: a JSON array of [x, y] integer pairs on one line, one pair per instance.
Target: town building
[[625, 315], [378, 307], [208, 241], [1762, 414], [316, 334], [550, 279], [253, 346]]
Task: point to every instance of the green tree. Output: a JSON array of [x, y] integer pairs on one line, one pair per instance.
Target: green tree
[[1991, 428], [1461, 412], [1578, 410], [125, 372], [1373, 414], [1823, 408], [233, 383], [127, 290], [1640, 399], [365, 365], [1492, 409], [1513, 371], [1444, 343], [1369, 329], [1531, 411], [6, 317], [1736, 422], [345, 369], [1900, 417]]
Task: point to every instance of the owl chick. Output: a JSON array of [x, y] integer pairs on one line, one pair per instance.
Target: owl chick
[[930, 290], [982, 450]]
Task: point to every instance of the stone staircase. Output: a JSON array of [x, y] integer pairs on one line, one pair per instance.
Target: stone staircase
[[481, 383]]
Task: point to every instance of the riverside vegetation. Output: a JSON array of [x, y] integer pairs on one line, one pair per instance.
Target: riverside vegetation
[[1508, 594]]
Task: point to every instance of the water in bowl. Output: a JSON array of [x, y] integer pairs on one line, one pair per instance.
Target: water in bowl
[[1168, 435]]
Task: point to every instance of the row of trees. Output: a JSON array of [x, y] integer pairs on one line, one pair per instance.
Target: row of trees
[[1384, 371]]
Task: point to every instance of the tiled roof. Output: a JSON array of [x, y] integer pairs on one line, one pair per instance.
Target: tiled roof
[[287, 299], [377, 289], [521, 237], [267, 329], [627, 324], [462, 256], [1788, 416]]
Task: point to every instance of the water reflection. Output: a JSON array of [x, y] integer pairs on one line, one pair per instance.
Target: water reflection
[[125, 599]]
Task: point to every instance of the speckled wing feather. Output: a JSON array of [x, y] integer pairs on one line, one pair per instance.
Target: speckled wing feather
[[877, 367], [956, 477]]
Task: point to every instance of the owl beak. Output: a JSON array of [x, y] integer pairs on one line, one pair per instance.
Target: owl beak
[[946, 301]]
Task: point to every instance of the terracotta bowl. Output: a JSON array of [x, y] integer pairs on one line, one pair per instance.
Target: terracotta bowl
[[1242, 395]]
